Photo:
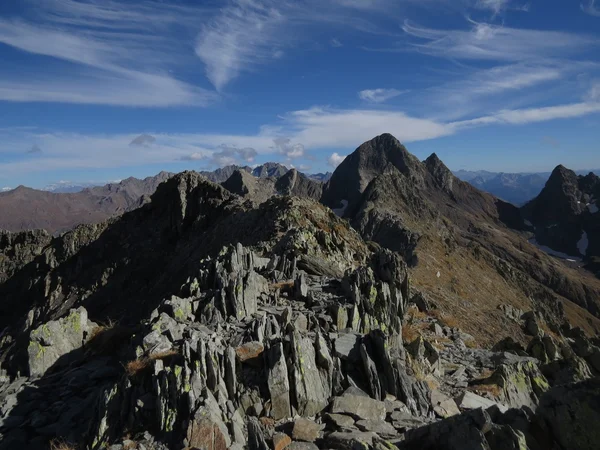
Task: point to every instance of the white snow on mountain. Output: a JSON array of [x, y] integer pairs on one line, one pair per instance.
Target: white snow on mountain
[[551, 252], [593, 207], [5, 189]]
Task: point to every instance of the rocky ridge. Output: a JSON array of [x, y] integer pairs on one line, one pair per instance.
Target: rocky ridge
[[204, 320]]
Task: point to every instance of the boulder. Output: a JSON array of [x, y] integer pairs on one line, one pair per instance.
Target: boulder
[[359, 407], [381, 427], [350, 440], [468, 400], [205, 434], [305, 430], [53, 342], [279, 385], [281, 441], [249, 350], [443, 405]]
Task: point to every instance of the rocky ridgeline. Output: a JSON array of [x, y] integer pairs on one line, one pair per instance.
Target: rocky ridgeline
[[256, 352], [204, 321]]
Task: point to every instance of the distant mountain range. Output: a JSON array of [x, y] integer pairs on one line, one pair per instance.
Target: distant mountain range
[[61, 206], [516, 188], [25, 208]]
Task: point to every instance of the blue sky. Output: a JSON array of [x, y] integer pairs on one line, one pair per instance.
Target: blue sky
[[101, 90]]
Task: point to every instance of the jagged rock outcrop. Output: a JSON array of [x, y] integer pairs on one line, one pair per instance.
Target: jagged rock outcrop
[[296, 184], [247, 185]]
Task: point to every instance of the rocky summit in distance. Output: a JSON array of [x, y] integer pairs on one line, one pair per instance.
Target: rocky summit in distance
[[209, 318], [565, 216]]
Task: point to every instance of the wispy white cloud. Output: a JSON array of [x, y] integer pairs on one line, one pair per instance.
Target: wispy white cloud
[[379, 95], [336, 43], [499, 6], [498, 43], [118, 62], [335, 159], [241, 37], [295, 136], [589, 7], [532, 115]]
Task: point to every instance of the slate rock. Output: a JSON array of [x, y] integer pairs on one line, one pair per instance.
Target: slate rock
[[305, 430], [278, 382], [339, 420], [358, 406], [281, 441], [54, 339], [380, 427], [249, 350], [468, 400]]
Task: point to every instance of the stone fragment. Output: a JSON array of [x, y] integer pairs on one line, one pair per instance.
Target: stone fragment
[[358, 406], [281, 441], [305, 430], [249, 350], [340, 420], [347, 346], [55, 339], [279, 385], [468, 400], [443, 405], [340, 440], [205, 434], [256, 438], [311, 393], [302, 446], [382, 428]]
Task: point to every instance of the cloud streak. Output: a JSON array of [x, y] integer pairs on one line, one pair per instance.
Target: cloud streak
[[491, 42], [298, 133], [117, 61], [380, 95], [589, 7]]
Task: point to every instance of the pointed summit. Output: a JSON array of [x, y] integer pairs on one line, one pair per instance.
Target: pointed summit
[[366, 163], [440, 172]]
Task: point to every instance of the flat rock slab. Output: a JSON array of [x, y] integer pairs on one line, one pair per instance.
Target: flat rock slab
[[306, 430], [340, 420], [359, 406], [302, 446], [355, 439], [380, 427], [443, 405], [468, 400], [347, 346]]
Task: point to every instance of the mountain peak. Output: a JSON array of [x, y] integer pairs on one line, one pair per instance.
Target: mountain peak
[[440, 172], [367, 162]]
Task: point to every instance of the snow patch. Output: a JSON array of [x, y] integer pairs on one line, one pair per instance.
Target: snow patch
[[528, 223], [592, 207], [340, 211], [583, 243], [551, 252]]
